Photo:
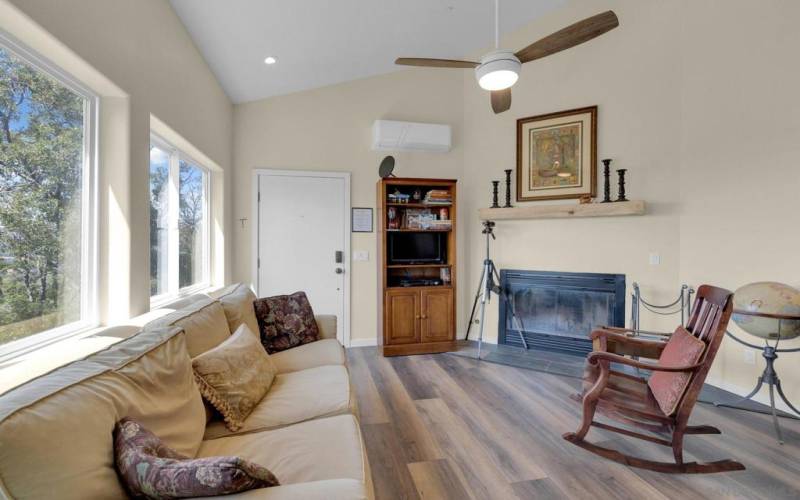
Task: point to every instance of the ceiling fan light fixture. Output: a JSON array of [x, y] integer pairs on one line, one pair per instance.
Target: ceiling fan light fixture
[[498, 70]]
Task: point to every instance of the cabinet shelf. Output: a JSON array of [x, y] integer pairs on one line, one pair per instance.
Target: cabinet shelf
[[416, 266], [417, 205], [407, 230]]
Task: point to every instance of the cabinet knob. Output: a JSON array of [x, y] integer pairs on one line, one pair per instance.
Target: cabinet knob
[[417, 316]]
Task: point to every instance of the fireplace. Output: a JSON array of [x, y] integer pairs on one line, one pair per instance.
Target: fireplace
[[558, 310]]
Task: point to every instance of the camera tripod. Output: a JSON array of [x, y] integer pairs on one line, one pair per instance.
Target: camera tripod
[[487, 286]]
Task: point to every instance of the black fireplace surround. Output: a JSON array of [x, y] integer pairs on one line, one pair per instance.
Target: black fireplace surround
[[558, 310]]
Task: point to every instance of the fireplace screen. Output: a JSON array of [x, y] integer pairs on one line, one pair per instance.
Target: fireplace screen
[[558, 310]]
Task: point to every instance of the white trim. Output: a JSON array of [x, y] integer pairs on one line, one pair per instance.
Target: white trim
[[363, 342], [89, 204], [346, 265]]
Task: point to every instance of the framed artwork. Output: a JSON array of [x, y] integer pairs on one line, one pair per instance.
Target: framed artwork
[[557, 155], [361, 220]]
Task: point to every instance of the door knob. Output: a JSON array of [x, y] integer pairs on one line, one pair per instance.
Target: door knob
[[339, 270]]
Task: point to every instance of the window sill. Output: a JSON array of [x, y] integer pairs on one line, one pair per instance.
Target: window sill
[[164, 301]]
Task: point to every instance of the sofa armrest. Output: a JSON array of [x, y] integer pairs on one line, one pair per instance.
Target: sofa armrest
[[327, 325]]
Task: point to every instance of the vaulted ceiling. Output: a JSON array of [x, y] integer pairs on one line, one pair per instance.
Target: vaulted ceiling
[[323, 42]]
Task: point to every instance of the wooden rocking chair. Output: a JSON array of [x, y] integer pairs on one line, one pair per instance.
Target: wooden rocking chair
[[661, 405]]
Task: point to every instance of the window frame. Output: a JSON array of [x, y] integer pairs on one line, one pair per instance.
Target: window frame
[[90, 317], [174, 291]]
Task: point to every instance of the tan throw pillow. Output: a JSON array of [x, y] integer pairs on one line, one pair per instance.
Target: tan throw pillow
[[234, 376], [237, 300]]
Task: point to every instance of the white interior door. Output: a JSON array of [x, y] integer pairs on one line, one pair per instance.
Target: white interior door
[[303, 239]]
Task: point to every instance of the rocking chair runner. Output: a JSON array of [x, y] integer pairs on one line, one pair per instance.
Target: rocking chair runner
[[661, 405]]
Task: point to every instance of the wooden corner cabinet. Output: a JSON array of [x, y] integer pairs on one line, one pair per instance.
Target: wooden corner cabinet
[[416, 265]]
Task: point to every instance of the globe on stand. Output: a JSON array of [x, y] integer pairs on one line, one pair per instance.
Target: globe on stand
[[771, 311]]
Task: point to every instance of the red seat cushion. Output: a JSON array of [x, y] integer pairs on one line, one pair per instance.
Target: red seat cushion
[[682, 349]]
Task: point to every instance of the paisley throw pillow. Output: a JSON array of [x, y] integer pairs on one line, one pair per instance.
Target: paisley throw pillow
[[234, 376], [150, 469], [286, 321]]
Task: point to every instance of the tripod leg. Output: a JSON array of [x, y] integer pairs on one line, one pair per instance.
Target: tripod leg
[[774, 414], [474, 304], [515, 318], [783, 396], [484, 293]]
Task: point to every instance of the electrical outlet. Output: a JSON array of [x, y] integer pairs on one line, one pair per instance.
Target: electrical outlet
[[750, 357]]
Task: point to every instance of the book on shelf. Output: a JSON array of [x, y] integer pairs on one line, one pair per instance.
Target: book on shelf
[[438, 197]]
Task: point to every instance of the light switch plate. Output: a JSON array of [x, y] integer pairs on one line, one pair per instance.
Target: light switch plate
[[361, 255], [655, 259], [750, 357]]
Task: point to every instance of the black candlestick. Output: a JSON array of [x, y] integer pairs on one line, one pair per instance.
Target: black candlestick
[[621, 195], [607, 175], [495, 204], [508, 189]]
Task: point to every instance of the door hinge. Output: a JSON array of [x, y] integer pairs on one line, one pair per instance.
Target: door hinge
[[259, 196], [258, 262]]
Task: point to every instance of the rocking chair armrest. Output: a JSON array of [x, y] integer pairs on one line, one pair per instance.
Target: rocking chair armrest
[[596, 356], [604, 340]]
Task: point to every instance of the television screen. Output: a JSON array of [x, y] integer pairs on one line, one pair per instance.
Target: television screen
[[416, 248]]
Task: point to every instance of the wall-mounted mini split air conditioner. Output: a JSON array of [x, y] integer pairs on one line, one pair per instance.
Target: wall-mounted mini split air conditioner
[[388, 135]]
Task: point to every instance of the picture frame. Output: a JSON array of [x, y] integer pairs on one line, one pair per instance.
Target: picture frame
[[361, 220], [557, 155]]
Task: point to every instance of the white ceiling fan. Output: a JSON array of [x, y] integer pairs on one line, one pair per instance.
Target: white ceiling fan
[[498, 70]]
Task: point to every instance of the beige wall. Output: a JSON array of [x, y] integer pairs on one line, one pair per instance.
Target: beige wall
[[144, 50], [693, 98], [330, 129], [740, 160]]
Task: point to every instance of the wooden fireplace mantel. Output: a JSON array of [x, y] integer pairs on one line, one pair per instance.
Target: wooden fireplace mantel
[[614, 209]]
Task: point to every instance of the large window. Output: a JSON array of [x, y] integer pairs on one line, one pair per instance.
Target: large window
[[46, 226], [179, 238]]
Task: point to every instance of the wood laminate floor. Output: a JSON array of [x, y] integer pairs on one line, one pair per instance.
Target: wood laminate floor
[[445, 426]]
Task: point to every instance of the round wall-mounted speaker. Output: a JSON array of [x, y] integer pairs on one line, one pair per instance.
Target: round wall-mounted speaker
[[386, 168]]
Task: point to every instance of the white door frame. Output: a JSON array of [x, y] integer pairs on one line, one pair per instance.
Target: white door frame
[[270, 172]]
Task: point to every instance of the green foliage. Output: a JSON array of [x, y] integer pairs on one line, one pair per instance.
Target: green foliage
[[41, 147]]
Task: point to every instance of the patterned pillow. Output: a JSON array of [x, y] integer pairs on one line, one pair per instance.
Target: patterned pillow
[[234, 376], [286, 321], [150, 469], [682, 349]]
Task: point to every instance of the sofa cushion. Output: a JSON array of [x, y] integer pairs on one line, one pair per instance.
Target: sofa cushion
[[327, 448], [295, 397], [237, 301], [329, 489], [149, 468], [320, 353], [234, 376], [286, 321], [56, 431], [204, 323]]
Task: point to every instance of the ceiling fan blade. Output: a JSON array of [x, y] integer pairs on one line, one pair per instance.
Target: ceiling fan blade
[[434, 63], [501, 100], [572, 35]]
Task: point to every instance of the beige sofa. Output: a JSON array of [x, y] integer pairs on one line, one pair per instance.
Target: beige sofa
[[56, 430]]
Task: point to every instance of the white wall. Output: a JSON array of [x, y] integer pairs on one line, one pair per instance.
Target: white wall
[[696, 100], [330, 129], [139, 58]]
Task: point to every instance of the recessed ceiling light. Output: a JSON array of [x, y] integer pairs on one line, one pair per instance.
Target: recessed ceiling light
[[270, 60]]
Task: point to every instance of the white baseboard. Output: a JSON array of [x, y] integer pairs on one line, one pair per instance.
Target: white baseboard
[[363, 342]]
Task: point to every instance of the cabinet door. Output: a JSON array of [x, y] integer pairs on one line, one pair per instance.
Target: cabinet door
[[401, 317], [437, 315]]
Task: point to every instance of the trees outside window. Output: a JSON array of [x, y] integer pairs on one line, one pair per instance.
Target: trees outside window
[[45, 167], [179, 255]]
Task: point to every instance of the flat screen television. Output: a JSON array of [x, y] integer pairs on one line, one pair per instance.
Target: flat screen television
[[416, 248]]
